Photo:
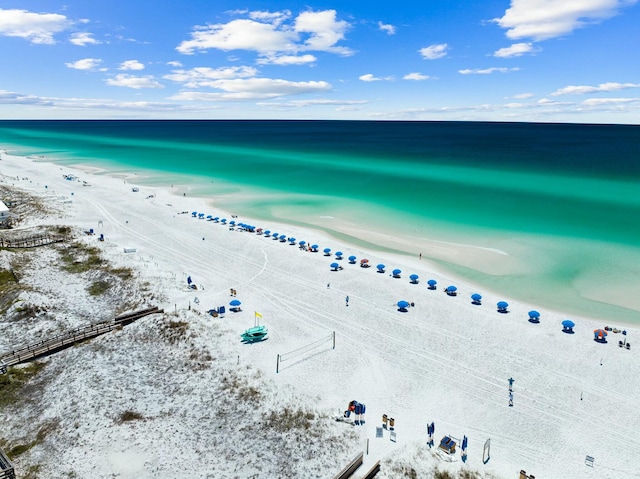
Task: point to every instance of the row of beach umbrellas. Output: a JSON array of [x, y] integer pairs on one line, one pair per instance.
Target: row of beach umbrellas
[[502, 306]]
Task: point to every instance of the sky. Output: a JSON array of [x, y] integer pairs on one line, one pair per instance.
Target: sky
[[572, 61]]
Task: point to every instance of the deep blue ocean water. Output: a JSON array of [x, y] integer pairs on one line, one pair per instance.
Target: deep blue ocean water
[[560, 202]]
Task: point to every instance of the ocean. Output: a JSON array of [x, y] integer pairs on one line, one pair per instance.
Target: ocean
[[543, 213]]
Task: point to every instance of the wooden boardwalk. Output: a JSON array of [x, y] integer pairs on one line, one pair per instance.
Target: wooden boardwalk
[[30, 242], [69, 338], [6, 468]]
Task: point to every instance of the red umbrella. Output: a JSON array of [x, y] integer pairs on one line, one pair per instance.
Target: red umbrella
[[600, 333]]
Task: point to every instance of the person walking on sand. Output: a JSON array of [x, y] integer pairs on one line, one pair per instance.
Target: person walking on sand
[[347, 300]]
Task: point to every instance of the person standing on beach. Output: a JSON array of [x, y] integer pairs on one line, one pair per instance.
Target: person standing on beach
[[347, 300]]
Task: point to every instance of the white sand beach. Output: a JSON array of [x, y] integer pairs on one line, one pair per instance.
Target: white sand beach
[[444, 361]]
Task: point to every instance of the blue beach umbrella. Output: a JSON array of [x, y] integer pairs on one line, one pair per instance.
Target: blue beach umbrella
[[380, 268], [209, 217], [414, 278], [292, 240], [283, 237], [302, 243], [235, 302], [327, 251], [396, 273], [223, 221], [334, 266], [452, 289], [216, 218], [432, 283], [194, 214], [314, 247], [267, 232], [403, 305], [338, 254], [352, 259], [502, 306], [567, 323], [534, 315], [232, 222], [476, 298]]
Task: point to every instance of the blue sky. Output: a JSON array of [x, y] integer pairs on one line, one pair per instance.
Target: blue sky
[[509, 60]]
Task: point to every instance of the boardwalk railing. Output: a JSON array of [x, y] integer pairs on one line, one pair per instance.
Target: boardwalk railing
[[30, 242], [350, 468], [6, 468], [69, 338]]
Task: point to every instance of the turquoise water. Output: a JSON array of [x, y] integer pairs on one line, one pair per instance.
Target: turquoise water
[[542, 212]]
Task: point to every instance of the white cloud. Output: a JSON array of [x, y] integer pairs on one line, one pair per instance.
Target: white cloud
[[241, 89], [131, 81], [269, 34], [515, 50], [83, 39], [544, 19], [487, 71], [324, 30], [385, 27], [433, 52], [131, 65], [174, 64], [316, 102], [12, 98], [207, 77], [34, 27], [603, 87], [369, 77], [523, 96], [276, 18], [416, 76], [609, 101], [88, 64], [287, 59]]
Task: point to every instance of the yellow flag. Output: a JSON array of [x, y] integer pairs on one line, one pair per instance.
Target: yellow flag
[[258, 315]]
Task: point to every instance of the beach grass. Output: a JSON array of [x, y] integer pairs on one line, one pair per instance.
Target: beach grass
[[14, 380]]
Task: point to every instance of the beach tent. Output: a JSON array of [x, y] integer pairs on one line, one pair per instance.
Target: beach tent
[[338, 254], [476, 299], [567, 326], [534, 317], [352, 259], [432, 283], [327, 251], [380, 268], [414, 278], [334, 266], [451, 290], [600, 335], [502, 306], [403, 305], [364, 263], [396, 273]]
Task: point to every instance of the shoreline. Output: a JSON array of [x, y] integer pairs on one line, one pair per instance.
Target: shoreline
[[484, 265]]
